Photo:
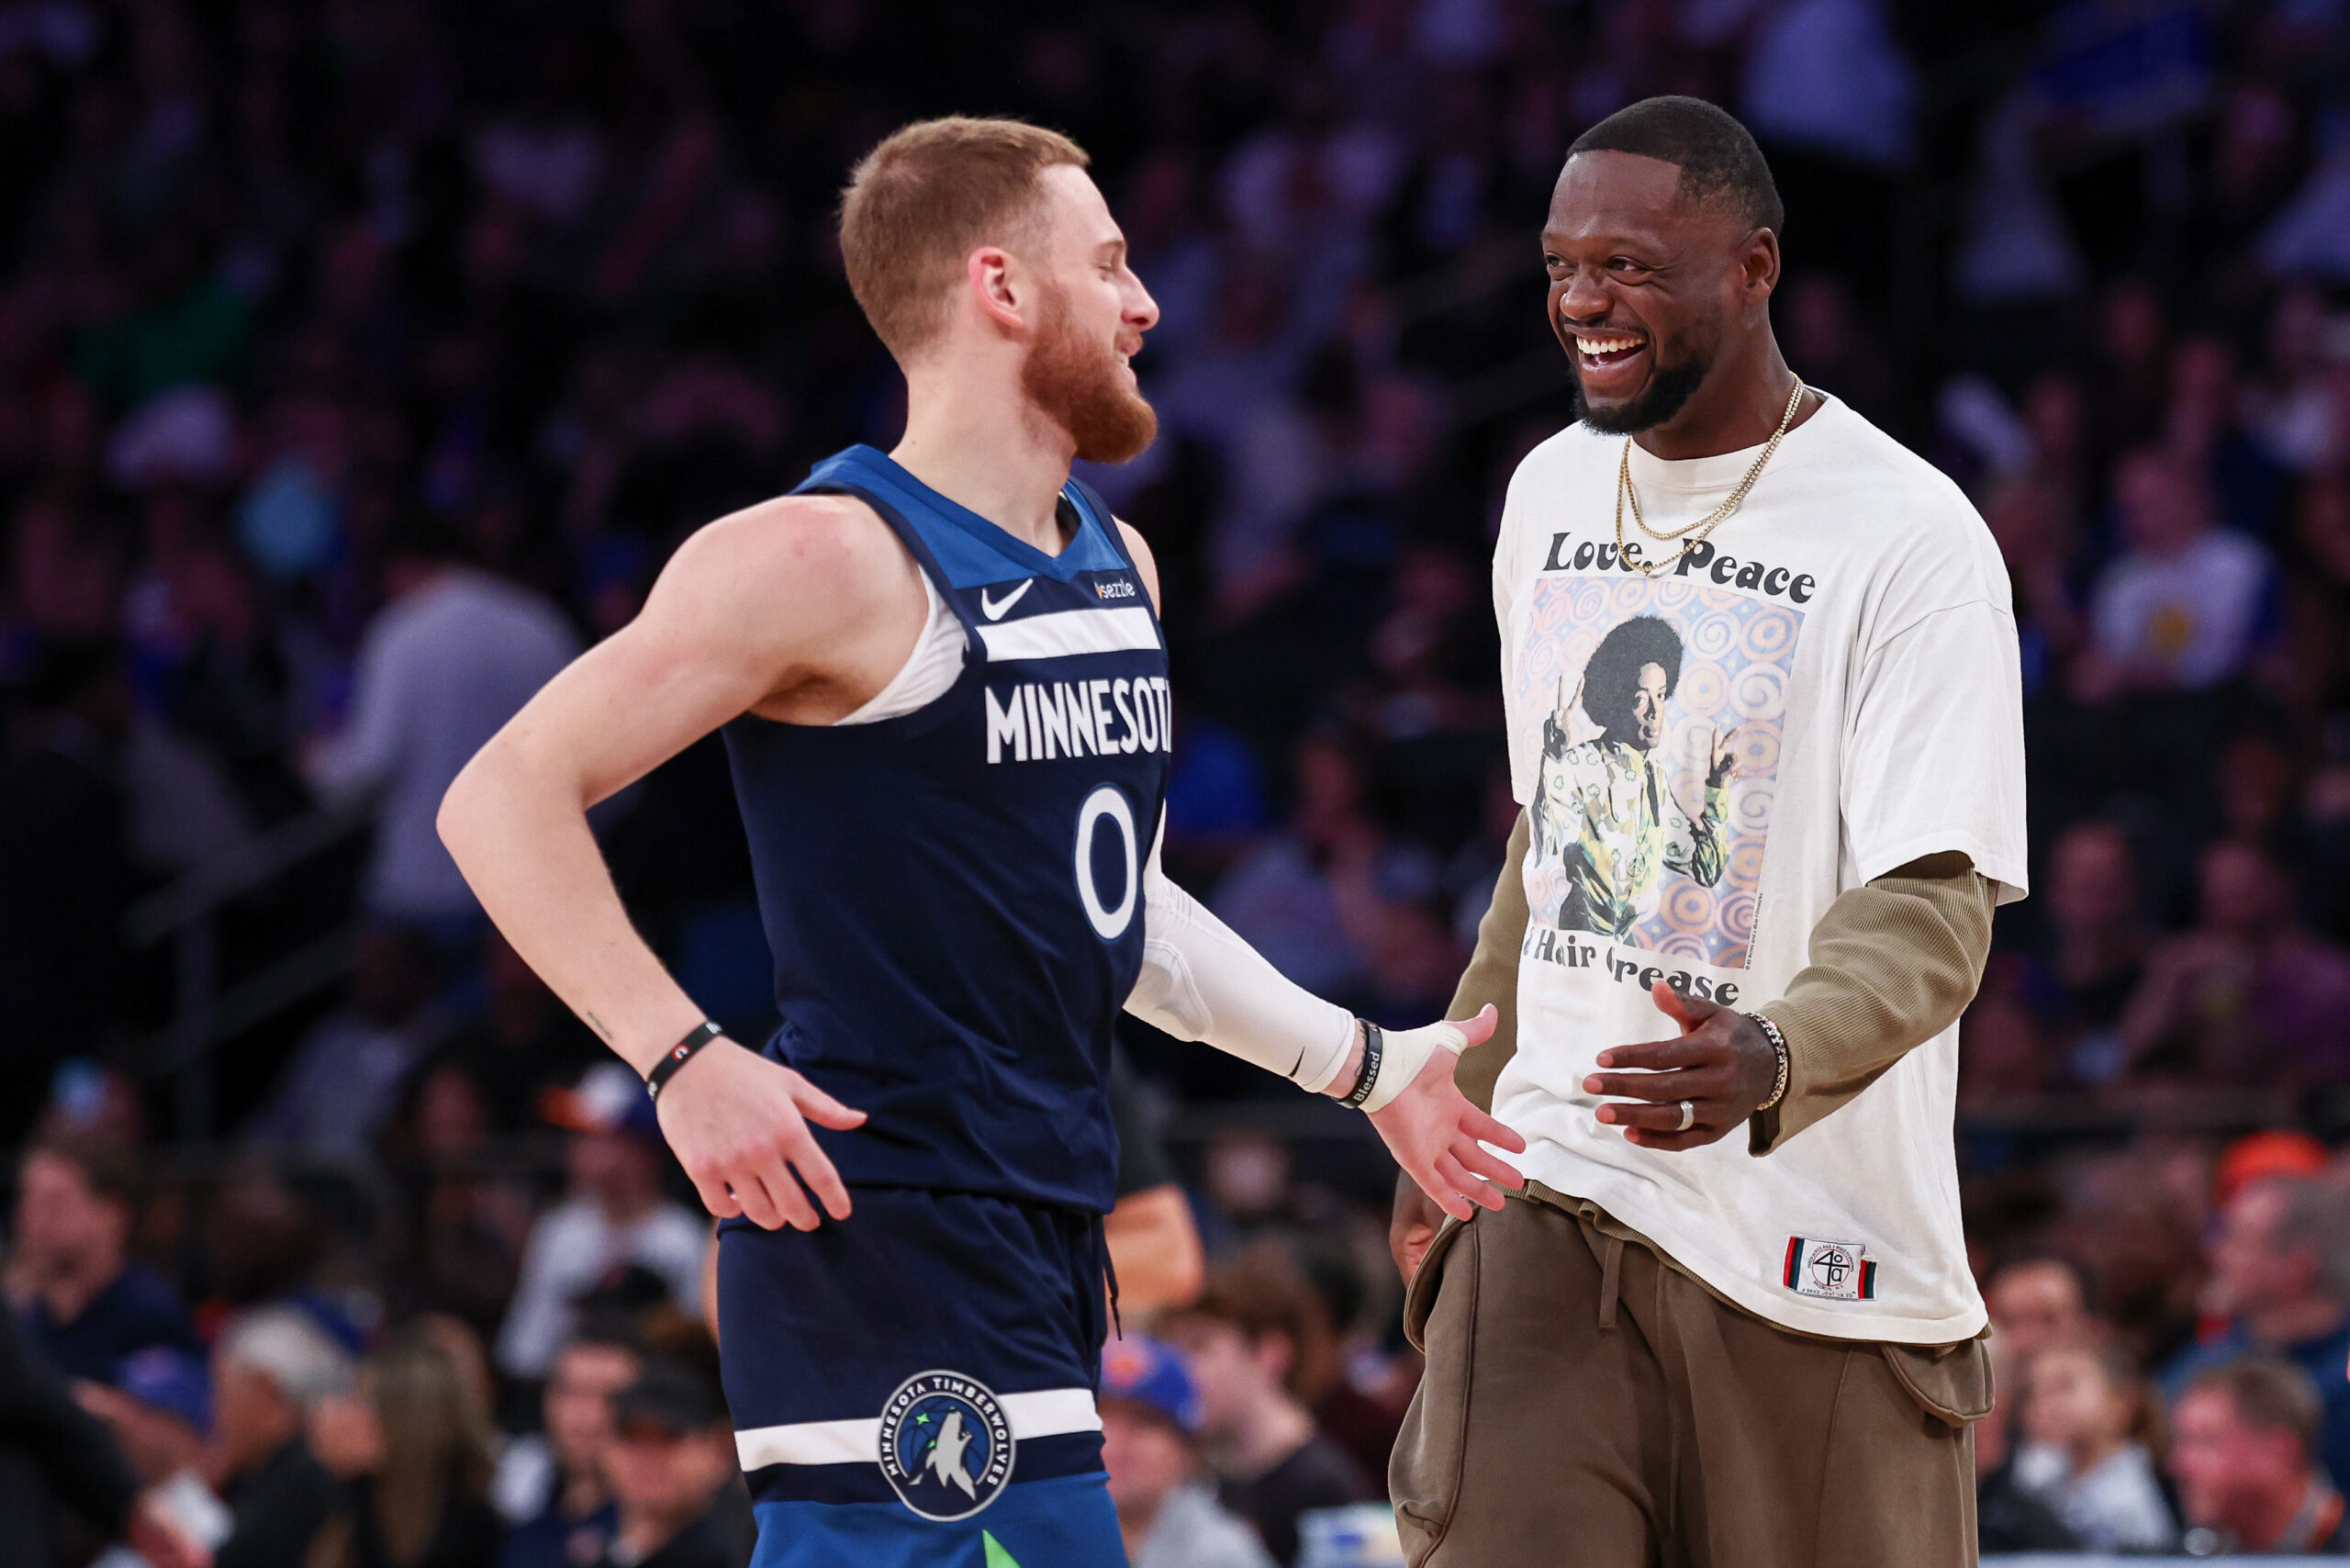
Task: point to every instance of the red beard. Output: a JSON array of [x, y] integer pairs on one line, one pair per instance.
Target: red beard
[[1074, 381]]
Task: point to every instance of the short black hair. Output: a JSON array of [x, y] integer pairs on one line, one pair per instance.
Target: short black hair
[[1715, 154], [1611, 678]]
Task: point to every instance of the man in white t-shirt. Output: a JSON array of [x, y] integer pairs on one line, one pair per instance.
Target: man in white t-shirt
[[1765, 719]]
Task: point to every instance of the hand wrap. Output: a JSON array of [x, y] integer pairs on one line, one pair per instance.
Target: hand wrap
[[1408, 1051]]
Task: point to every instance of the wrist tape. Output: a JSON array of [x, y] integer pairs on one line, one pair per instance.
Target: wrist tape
[[1405, 1051]]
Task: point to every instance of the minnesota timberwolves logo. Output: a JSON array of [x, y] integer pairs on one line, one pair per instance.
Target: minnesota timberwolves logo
[[945, 1445]]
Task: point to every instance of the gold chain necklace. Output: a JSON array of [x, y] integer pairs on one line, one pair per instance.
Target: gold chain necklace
[[1705, 525]]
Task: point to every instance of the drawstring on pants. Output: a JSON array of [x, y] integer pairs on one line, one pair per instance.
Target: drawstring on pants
[[1108, 1268], [1611, 1279]]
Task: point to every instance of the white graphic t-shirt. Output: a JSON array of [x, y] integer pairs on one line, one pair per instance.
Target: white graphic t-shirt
[[1825, 691]]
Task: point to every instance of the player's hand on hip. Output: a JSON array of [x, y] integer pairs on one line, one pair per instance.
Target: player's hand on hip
[[738, 1123], [1722, 1066], [1439, 1137]]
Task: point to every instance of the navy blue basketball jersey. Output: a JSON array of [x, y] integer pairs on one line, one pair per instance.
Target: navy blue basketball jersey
[[954, 896]]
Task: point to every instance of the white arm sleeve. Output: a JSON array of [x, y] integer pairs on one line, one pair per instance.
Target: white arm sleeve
[[1201, 982]]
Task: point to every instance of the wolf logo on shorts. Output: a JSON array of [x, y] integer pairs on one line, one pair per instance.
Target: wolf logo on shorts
[[947, 1445]]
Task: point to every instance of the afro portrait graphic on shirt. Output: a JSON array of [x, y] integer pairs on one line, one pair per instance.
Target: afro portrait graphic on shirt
[[1658, 761]]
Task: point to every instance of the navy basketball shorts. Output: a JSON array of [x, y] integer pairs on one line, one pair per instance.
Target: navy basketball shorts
[[913, 1387]]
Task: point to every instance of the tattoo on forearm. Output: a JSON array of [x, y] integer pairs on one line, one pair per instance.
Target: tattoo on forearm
[[598, 1024]]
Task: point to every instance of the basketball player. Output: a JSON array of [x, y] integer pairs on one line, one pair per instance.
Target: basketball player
[[1731, 1321], [944, 692]]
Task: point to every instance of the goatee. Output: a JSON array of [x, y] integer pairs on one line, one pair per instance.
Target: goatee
[[1074, 381], [1669, 387]]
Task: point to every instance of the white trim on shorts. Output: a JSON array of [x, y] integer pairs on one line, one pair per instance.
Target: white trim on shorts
[[1046, 1412]]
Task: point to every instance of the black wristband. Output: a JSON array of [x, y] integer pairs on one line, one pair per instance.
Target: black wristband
[[677, 1056], [1374, 1047]]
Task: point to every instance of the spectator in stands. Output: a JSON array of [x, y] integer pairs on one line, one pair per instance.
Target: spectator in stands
[[344, 1080], [2280, 1281], [1153, 1238], [553, 1488], [2137, 1219], [1243, 1342], [2039, 1301], [2273, 1151], [412, 1448], [2088, 1411], [57, 1457], [1362, 1386], [1434, 652], [264, 1243], [671, 1464], [613, 1215], [1151, 1420], [86, 1304], [2248, 996], [2260, 790], [2203, 426], [2180, 609], [472, 1211], [454, 654], [2006, 1055], [1280, 896], [2242, 1453], [159, 1414], [159, 1408], [2127, 386], [523, 1041], [1340, 905], [2097, 943], [2009, 1517], [271, 1371]]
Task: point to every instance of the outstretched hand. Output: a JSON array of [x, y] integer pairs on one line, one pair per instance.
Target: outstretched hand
[[1722, 1064], [738, 1123], [1438, 1136]]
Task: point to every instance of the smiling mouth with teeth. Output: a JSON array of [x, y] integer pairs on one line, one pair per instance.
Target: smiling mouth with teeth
[[1601, 352]]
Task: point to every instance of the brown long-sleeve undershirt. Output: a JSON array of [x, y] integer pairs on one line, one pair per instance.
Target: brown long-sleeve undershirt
[[1893, 964]]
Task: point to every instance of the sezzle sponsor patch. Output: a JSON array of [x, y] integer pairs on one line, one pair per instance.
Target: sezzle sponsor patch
[[1832, 1271]]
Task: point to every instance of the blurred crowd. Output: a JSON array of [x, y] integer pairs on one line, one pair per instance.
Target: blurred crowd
[[361, 361], [289, 1409]]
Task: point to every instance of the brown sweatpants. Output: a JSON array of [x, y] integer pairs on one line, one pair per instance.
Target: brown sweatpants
[[1586, 1405]]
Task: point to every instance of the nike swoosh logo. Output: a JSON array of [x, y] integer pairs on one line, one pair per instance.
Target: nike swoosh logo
[[994, 607]]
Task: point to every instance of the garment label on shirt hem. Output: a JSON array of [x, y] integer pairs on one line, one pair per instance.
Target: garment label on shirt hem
[[1832, 1271]]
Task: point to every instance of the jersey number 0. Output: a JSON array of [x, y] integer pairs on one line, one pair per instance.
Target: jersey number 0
[[1107, 801]]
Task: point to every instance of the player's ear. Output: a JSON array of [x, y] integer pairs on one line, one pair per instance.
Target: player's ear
[[992, 286], [1758, 265]]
